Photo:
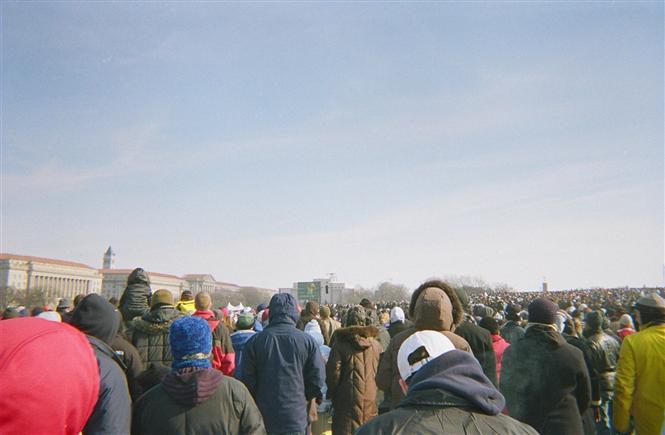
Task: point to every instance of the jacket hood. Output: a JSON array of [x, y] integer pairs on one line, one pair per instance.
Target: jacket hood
[[283, 309], [432, 309], [38, 358], [138, 276], [360, 337], [312, 308], [157, 320], [96, 316], [456, 307], [546, 333], [459, 374], [191, 386]]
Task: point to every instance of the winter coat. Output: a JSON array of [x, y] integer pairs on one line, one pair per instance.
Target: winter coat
[[499, 345], [132, 361], [328, 325], [604, 355], [588, 418], [448, 395], [621, 333], [239, 339], [481, 345], [350, 372], [223, 355], [511, 331], [282, 368], [150, 334], [186, 307], [640, 382], [112, 412], [197, 401], [135, 299], [546, 382], [431, 310], [397, 327]]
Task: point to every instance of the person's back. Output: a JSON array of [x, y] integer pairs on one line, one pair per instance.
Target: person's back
[[136, 298], [604, 355], [223, 356], [195, 398], [434, 306], [447, 393], [240, 338], [640, 378], [543, 378], [350, 373], [150, 332], [283, 369]]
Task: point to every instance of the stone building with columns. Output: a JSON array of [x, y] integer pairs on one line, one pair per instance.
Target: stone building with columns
[[57, 278], [115, 281]]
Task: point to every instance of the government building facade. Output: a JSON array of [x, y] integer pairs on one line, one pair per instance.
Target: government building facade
[[65, 279]]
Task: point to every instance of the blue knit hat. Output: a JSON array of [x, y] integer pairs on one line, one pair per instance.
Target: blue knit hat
[[191, 343]]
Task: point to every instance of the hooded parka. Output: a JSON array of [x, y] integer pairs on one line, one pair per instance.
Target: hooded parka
[[431, 308], [350, 373]]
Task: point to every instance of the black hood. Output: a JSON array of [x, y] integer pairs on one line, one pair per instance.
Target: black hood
[[191, 386], [138, 276], [456, 373], [283, 309], [97, 317]]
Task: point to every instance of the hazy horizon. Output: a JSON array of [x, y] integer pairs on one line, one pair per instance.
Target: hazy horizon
[[268, 143]]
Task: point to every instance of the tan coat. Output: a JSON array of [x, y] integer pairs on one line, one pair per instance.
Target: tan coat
[[350, 374]]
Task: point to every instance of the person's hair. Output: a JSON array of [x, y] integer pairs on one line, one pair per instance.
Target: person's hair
[[651, 314], [202, 301]]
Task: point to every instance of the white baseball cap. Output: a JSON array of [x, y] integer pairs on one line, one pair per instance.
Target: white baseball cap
[[419, 349]]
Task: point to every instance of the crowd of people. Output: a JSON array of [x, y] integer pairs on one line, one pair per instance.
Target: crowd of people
[[573, 362]]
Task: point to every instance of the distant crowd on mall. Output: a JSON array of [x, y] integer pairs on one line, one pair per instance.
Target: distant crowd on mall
[[574, 362]]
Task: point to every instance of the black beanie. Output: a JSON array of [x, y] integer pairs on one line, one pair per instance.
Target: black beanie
[[543, 311], [96, 316]]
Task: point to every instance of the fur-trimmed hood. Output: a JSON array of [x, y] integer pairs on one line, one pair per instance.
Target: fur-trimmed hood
[[360, 337], [435, 305]]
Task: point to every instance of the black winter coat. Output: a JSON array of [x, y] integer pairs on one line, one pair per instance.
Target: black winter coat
[[197, 401], [150, 335], [480, 341], [135, 300], [511, 331], [546, 382]]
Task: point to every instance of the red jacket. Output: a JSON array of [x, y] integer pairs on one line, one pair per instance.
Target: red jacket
[[224, 357], [499, 345]]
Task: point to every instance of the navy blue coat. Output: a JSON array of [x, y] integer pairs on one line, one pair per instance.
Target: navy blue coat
[[282, 368], [112, 413]]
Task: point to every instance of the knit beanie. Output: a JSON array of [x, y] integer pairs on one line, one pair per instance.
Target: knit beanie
[[543, 311], [191, 343], [161, 297], [245, 321]]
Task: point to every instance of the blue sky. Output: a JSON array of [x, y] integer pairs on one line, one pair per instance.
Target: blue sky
[[268, 143]]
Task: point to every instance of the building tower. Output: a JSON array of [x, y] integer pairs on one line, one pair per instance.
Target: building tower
[[109, 258]]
